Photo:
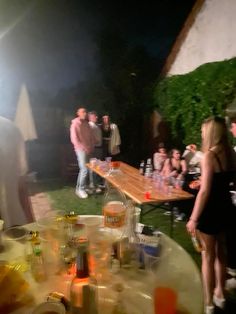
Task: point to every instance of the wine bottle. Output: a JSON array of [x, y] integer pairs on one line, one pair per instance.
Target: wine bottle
[[196, 244], [82, 290]]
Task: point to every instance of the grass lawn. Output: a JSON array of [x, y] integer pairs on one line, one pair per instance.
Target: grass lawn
[[62, 197]]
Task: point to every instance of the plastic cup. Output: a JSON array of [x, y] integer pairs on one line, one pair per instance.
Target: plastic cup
[[52, 235], [147, 190], [108, 159], [179, 184], [92, 225], [93, 162], [52, 224], [150, 258], [170, 190], [137, 214], [15, 233], [14, 243], [165, 300], [100, 252]]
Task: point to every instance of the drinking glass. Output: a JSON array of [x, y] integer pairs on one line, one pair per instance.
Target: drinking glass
[[14, 242], [92, 225], [15, 234], [179, 183], [50, 307], [150, 259], [170, 189], [137, 213], [100, 246], [52, 234], [93, 162], [108, 159]]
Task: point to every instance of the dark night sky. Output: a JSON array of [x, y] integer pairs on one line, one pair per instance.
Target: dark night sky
[[52, 44]]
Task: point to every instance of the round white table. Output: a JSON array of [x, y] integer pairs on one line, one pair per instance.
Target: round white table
[[178, 271]]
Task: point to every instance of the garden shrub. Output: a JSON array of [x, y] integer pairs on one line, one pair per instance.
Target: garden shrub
[[186, 100]]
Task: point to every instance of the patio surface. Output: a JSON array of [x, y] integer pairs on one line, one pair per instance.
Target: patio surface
[[39, 200]]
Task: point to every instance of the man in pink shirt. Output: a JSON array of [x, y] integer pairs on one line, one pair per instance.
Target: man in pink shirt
[[82, 138]]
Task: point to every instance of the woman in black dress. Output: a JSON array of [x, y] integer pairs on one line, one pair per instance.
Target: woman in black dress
[[213, 210]]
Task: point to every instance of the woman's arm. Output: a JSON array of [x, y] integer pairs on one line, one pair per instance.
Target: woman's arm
[[166, 168], [184, 168], [203, 194], [155, 163]]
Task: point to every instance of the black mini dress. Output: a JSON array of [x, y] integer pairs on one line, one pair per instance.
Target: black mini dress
[[219, 213]]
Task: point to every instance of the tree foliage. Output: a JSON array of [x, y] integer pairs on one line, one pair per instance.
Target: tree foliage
[[128, 73], [186, 100]]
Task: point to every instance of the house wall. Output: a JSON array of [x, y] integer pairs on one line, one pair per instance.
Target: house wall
[[211, 37]]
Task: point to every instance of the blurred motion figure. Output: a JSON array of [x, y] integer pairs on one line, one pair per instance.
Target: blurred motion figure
[[15, 207]]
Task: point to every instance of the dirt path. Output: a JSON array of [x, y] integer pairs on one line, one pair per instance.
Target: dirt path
[[39, 200]]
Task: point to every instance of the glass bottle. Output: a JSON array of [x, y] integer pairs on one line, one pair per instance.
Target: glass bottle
[[196, 243], [141, 168], [128, 247], [119, 307], [149, 169], [114, 211], [37, 263], [82, 289]]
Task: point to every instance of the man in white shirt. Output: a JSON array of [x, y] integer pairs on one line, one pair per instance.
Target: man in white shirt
[[15, 208], [193, 158]]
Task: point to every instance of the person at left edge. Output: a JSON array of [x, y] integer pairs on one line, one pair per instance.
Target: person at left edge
[[15, 206], [83, 140]]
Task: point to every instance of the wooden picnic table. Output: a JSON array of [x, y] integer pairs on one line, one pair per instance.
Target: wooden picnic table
[[135, 186]]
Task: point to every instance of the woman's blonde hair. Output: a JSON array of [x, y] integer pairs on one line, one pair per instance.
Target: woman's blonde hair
[[214, 133]]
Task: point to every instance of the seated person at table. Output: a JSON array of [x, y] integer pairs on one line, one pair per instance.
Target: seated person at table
[[159, 157], [174, 166], [15, 207], [193, 158]]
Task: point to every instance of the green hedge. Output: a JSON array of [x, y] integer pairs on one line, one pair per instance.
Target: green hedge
[[186, 100]]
